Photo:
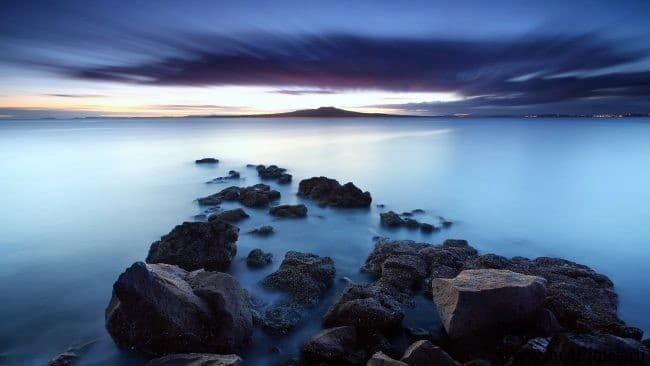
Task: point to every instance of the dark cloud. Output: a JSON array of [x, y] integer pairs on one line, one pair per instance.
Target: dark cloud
[[76, 95], [302, 91], [508, 72]]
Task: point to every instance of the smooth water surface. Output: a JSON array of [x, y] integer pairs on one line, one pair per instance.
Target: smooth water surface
[[83, 199]]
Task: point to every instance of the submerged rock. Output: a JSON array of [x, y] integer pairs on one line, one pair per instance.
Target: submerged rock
[[258, 195], [265, 230], [161, 308], [273, 172], [195, 245], [230, 215], [257, 258], [196, 359], [207, 161], [480, 301], [391, 219], [64, 359], [305, 276], [333, 346], [289, 210], [329, 192], [232, 174]]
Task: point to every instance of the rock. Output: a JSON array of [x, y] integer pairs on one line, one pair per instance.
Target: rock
[[196, 359], [423, 353], [478, 362], [414, 334], [403, 272], [207, 161], [257, 258], [265, 230], [479, 301], [329, 192], [195, 245], [230, 215], [366, 308], [427, 228], [444, 222], [270, 172], [232, 174], [305, 276], [595, 350], [154, 309], [391, 219], [289, 211], [411, 223], [531, 354], [333, 346], [284, 178], [258, 195], [281, 318], [380, 359], [64, 359], [418, 211]]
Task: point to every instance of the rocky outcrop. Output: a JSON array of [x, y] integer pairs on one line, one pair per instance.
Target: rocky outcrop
[[265, 230], [258, 195], [235, 215], [480, 301], [423, 353], [329, 192], [595, 350], [207, 161], [394, 220], [391, 219], [273, 172], [291, 211], [381, 359], [305, 276], [232, 175], [195, 245], [257, 258], [161, 309], [333, 346], [196, 359]]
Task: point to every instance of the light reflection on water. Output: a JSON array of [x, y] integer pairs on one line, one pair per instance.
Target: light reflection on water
[[82, 200]]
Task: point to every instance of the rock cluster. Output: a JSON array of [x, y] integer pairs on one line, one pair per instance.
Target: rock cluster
[[195, 245], [161, 309], [329, 192], [259, 195], [232, 175], [293, 211], [273, 172]]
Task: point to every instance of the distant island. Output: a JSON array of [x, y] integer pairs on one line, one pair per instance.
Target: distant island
[[331, 112]]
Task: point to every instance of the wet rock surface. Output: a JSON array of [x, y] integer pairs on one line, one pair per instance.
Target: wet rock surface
[[273, 172], [235, 215], [423, 353], [196, 359], [329, 192], [207, 161], [257, 258], [265, 230], [258, 195], [291, 211], [595, 350], [333, 346], [232, 175], [161, 308], [195, 245]]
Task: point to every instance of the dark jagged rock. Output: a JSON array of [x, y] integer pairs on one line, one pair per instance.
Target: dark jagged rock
[[427, 228], [284, 178], [333, 346], [229, 215], [207, 161], [366, 307], [531, 354], [257, 258], [480, 301], [281, 318], [595, 350], [293, 211], [161, 308], [265, 230], [305, 276], [195, 245], [381, 359], [196, 359], [64, 359], [270, 172], [329, 192], [411, 223], [232, 174], [391, 219], [423, 353], [258, 195]]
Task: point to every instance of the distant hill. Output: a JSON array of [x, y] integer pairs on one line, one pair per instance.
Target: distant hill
[[319, 112]]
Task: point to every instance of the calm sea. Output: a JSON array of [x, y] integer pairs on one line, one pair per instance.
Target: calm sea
[[81, 200]]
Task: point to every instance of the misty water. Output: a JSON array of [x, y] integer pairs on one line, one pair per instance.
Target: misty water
[[81, 200]]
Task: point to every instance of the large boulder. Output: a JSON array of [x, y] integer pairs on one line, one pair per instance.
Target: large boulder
[[196, 359], [595, 350], [329, 192], [195, 245], [365, 307], [289, 211], [305, 276], [479, 301], [381, 359], [161, 309], [424, 353], [390, 219], [333, 346]]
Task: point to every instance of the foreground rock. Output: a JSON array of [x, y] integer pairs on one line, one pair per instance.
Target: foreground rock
[[381, 359], [196, 359], [257, 258], [294, 211], [366, 307], [329, 192], [334, 346], [64, 359], [160, 309], [258, 195], [207, 161], [235, 215], [479, 301], [274, 172], [423, 353], [595, 350], [194, 245]]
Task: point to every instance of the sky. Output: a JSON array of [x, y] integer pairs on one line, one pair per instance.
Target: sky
[[72, 58]]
